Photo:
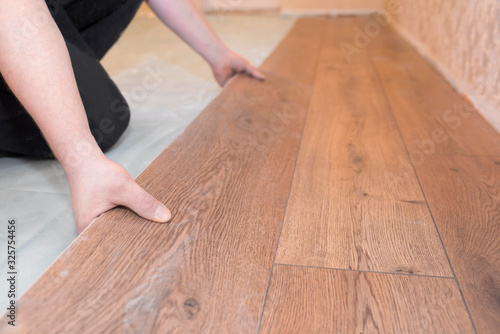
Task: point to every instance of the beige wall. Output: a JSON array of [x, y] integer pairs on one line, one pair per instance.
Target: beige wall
[[462, 39], [197, 3], [330, 6], [294, 6], [240, 5]]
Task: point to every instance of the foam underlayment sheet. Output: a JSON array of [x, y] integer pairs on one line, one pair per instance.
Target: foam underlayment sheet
[[36, 193]]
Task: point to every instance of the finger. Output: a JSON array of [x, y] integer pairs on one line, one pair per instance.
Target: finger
[[84, 216], [222, 77], [145, 205], [224, 80], [229, 76], [255, 72], [82, 225], [220, 80]]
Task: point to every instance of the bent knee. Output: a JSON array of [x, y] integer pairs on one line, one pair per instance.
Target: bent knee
[[110, 126]]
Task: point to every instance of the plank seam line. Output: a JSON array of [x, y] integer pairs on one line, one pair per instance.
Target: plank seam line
[[377, 74], [293, 174], [494, 157], [361, 271]]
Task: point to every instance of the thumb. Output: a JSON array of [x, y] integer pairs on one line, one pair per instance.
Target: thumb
[[145, 205], [254, 72], [223, 77]]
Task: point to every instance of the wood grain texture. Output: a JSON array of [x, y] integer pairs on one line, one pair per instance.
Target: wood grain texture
[[355, 201], [433, 117], [297, 55], [226, 179], [464, 196], [312, 300]]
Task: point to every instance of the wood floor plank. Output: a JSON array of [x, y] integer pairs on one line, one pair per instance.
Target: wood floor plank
[[433, 117], [289, 60], [464, 196], [226, 179], [355, 201], [312, 300]]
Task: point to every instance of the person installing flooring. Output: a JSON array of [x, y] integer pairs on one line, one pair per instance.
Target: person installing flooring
[[57, 101]]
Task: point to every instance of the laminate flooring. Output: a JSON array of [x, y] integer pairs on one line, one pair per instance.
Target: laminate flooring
[[353, 194]]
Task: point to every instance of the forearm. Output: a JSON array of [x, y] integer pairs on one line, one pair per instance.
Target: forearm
[[38, 70], [183, 18]]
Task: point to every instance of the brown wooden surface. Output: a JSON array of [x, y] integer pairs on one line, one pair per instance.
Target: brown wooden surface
[[226, 179], [345, 177], [432, 116], [464, 197], [296, 56], [311, 300], [351, 206]]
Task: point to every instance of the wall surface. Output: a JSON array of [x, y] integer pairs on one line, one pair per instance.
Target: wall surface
[[240, 5], [199, 4], [330, 6], [297, 7], [462, 39]]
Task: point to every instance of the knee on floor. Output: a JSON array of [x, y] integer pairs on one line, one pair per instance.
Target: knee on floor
[[111, 124]]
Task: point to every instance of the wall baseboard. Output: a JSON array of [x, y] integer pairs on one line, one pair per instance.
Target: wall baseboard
[[228, 5], [323, 12]]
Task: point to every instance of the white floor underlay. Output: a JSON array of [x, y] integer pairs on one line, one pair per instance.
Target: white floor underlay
[[36, 193]]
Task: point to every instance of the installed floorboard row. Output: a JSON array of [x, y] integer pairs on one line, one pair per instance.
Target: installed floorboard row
[[297, 55], [227, 180], [433, 117], [355, 202], [311, 300], [445, 135], [464, 196]]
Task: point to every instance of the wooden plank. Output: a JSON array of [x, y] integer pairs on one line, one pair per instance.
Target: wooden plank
[[312, 300], [464, 196], [433, 117], [226, 179], [297, 55], [355, 201]]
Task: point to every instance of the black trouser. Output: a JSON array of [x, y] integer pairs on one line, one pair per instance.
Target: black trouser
[[90, 28]]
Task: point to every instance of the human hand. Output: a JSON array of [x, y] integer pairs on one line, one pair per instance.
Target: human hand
[[229, 64], [99, 184]]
